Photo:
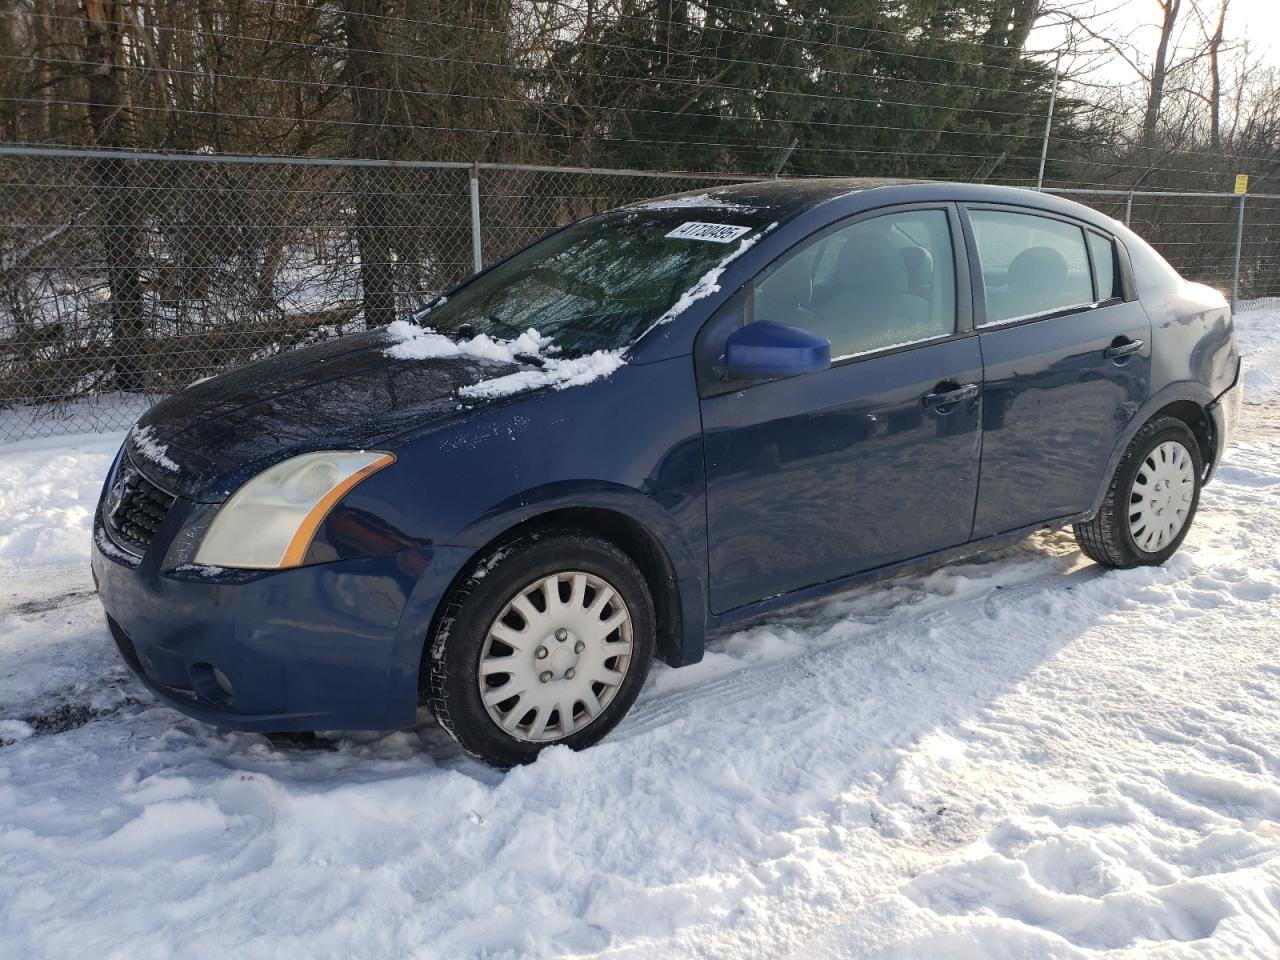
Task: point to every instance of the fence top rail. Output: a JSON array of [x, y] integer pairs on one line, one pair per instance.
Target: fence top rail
[[1220, 194], [100, 153]]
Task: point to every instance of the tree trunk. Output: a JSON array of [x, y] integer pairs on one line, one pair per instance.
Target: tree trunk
[[1159, 69], [117, 198], [1215, 78], [370, 95]]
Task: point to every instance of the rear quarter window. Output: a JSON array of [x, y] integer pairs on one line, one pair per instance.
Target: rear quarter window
[[1103, 250]]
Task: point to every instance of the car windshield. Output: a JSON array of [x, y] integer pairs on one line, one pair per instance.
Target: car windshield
[[600, 284]]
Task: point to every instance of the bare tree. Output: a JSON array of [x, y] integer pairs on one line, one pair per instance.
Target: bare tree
[[119, 210], [1213, 42], [1169, 10], [373, 97]]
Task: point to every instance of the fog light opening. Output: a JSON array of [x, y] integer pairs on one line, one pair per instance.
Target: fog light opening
[[211, 684], [221, 680]]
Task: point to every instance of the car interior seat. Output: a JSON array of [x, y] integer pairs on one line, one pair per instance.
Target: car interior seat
[[1036, 281], [919, 264], [871, 304]]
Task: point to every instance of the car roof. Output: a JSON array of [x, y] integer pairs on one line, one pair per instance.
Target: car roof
[[783, 199]]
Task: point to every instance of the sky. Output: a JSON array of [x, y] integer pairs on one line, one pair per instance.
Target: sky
[[1256, 20]]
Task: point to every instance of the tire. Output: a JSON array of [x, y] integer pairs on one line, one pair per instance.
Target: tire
[[1124, 535], [558, 651]]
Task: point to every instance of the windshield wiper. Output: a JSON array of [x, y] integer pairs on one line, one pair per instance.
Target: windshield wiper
[[506, 325]]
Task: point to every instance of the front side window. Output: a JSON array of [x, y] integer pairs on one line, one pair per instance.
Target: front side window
[[1031, 265], [875, 284]]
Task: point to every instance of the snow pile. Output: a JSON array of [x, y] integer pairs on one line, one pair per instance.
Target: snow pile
[[148, 447], [1258, 333], [48, 492], [1017, 756]]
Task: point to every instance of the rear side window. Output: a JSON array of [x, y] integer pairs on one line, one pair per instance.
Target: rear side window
[[1104, 266], [876, 284], [1031, 265]]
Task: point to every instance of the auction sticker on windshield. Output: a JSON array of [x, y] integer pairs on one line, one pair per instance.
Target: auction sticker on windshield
[[715, 232]]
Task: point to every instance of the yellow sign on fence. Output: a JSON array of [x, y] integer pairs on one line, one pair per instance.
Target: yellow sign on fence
[[1242, 183]]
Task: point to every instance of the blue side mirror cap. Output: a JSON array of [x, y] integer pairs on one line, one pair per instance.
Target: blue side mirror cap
[[762, 350]]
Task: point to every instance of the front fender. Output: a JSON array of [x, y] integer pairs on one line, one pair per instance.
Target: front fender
[[630, 444], [679, 534]]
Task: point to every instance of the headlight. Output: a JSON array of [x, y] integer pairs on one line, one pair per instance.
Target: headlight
[[269, 522]]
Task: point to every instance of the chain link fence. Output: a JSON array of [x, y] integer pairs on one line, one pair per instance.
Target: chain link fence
[[125, 277]]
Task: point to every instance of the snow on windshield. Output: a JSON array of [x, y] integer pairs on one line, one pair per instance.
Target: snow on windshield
[[709, 282], [413, 342]]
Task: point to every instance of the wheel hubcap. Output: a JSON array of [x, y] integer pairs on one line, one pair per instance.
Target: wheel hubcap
[[555, 656], [1160, 500]]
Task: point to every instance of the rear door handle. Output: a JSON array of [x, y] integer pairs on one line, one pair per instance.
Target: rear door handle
[[1122, 347], [950, 397]]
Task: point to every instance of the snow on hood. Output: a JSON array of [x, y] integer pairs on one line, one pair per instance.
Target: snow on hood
[[148, 447], [556, 373], [422, 343]]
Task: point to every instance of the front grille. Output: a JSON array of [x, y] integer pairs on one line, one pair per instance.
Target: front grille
[[133, 508]]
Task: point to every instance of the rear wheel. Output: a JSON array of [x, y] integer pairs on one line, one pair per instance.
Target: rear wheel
[[1151, 500], [547, 641]]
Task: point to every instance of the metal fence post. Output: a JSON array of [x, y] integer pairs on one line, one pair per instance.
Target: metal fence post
[[1048, 123], [477, 257], [1235, 269]]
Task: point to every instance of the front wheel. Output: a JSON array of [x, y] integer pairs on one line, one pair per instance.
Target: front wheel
[[1151, 500], [547, 641]]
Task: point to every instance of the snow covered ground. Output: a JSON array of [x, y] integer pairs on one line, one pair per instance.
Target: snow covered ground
[[1019, 756]]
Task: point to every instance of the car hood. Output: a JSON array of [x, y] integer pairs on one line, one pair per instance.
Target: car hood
[[205, 441]]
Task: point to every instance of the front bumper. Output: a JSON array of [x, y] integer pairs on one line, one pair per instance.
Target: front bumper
[[332, 646]]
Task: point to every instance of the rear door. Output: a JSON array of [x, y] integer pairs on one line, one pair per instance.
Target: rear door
[[816, 477], [1067, 362]]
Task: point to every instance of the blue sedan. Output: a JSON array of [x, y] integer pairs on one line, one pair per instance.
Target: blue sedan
[[659, 422]]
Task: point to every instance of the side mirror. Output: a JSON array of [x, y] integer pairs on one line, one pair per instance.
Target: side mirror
[[762, 350]]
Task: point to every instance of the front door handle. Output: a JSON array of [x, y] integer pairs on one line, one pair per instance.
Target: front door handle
[[947, 395], [1122, 347]]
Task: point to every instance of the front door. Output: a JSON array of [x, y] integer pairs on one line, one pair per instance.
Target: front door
[[872, 461]]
